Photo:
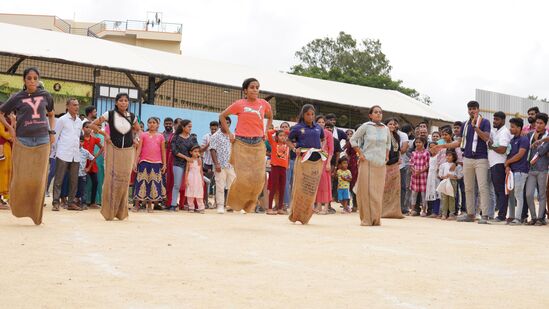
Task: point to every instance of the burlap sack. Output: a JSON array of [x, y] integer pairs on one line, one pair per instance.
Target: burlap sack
[[249, 166], [369, 192], [391, 194], [306, 179], [118, 169], [28, 181]]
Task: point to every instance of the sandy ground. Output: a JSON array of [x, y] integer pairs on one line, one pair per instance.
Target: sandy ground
[[182, 260]]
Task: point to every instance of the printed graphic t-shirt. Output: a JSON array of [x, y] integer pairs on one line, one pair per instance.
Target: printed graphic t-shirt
[[250, 117], [31, 112]]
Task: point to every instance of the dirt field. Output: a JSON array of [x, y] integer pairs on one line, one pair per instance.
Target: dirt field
[[166, 260]]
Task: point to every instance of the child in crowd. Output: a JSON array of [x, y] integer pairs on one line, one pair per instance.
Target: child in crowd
[[446, 134], [419, 165], [344, 178], [194, 181], [431, 194], [85, 155], [90, 142], [280, 156], [452, 171], [150, 164]]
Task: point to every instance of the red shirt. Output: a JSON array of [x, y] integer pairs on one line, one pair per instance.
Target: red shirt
[[89, 145], [280, 153], [250, 117]]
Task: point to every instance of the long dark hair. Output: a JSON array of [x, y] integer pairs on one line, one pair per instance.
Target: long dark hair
[[183, 123], [395, 133], [247, 82], [371, 111], [117, 98], [26, 72], [304, 109]]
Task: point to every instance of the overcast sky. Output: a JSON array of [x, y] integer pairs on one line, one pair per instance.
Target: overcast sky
[[445, 49]]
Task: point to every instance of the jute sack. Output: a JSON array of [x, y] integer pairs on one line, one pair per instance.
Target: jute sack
[[391, 194], [249, 166], [28, 181], [118, 169], [306, 179], [369, 192]]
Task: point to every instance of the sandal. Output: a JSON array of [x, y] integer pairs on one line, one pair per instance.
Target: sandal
[[270, 212], [282, 212], [4, 207]]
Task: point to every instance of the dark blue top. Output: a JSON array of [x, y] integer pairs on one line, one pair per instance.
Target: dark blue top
[[482, 148], [307, 136], [522, 165]]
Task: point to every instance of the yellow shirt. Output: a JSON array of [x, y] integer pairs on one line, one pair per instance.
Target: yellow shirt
[[341, 182]]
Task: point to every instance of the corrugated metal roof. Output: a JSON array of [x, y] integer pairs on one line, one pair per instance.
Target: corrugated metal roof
[[52, 45]]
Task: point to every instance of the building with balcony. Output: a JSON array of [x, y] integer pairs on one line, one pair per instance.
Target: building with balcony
[[152, 33]]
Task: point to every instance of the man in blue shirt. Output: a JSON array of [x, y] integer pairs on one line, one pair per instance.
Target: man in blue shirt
[[517, 163], [474, 134]]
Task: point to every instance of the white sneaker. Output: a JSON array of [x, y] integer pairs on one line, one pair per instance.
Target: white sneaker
[[220, 209]]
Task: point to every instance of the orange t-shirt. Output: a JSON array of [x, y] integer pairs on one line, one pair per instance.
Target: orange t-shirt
[[280, 153], [250, 117]]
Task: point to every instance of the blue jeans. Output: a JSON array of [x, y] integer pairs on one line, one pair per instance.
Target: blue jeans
[[81, 193], [51, 173], [178, 173], [518, 194], [33, 141], [289, 178], [404, 183]]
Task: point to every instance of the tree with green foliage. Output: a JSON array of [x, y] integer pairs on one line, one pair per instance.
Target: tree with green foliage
[[345, 60]]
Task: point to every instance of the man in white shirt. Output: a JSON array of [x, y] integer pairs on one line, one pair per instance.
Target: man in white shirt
[[67, 152], [500, 138], [207, 157]]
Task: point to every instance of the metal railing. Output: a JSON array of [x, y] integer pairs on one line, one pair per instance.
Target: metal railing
[[138, 25], [62, 24]]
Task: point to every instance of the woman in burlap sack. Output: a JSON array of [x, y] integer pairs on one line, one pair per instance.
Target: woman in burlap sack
[[31, 148], [306, 139], [248, 149], [119, 157], [391, 193], [372, 143]]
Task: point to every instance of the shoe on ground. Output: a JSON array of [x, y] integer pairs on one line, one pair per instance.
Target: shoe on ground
[[452, 217], [497, 221], [515, 222], [483, 220], [539, 223], [73, 206], [466, 218], [220, 210], [55, 207], [282, 212]]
